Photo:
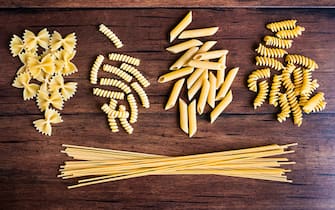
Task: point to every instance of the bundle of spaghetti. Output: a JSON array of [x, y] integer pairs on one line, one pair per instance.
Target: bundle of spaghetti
[[94, 165], [294, 86]]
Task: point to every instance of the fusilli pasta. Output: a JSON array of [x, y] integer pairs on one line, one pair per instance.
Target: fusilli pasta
[[124, 58], [262, 94], [256, 75], [270, 62], [281, 25], [110, 34], [136, 73], [277, 42], [285, 108], [118, 72], [133, 108], [141, 93], [290, 34], [295, 108], [313, 102], [115, 83], [275, 90], [270, 52], [108, 93], [95, 68], [302, 60]]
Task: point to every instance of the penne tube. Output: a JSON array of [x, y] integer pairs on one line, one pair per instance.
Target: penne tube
[[227, 83], [184, 58], [207, 46], [196, 86], [183, 115], [194, 77], [175, 74], [203, 96], [184, 46], [202, 32], [206, 64], [220, 74], [212, 90], [192, 118], [174, 94], [181, 26], [221, 106], [210, 55]]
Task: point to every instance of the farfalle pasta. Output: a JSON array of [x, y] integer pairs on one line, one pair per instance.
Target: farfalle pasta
[[46, 60]]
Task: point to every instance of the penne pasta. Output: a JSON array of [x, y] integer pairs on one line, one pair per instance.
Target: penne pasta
[[184, 58], [175, 74], [184, 46], [207, 46], [202, 32], [227, 83], [220, 74], [210, 55], [203, 96], [212, 90], [183, 115], [194, 77], [181, 26], [206, 65], [192, 118], [221, 106], [196, 86], [174, 94]]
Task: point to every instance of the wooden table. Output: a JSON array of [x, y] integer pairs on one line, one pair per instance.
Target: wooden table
[[29, 161]]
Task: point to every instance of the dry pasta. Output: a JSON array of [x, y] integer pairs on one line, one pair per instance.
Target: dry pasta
[[115, 83], [184, 46], [136, 73], [95, 68], [110, 34], [277, 42], [306, 85], [51, 116], [192, 118], [270, 52], [285, 108], [194, 77], [221, 106], [175, 74], [275, 90], [282, 25], [133, 108], [174, 94], [206, 65], [256, 75], [183, 60], [181, 26], [291, 33], [68, 43], [210, 54], [295, 108], [269, 62], [108, 94], [313, 102], [302, 60], [203, 96], [212, 90], [124, 58], [202, 32], [112, 124], [183, 118], [118, 72], [29, 89], [141, 93], [227, 83], [262, 94]]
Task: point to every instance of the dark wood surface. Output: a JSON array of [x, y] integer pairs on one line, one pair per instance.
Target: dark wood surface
[[29, 161]]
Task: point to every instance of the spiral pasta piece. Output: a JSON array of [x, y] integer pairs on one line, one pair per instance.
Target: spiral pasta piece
[[118, 72], [136, 73], [270, 62], [277, 42], [297, 80], [275, 90], [110, 34], [133, 108], [319, 107], [115, 83], [95, 68], [295, 108], [285, 108], [262, 94], [141, 93], [112, 124], [108, 93], [291, 33], [313, 102], [302, 60], [304, 98], [281, 25], [270, 52], [124, 58], [256, 75], [124, 122], [286, 77], [306, 82]]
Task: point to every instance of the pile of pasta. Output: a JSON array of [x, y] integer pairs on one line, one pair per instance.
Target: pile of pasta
[[46, 61], [205, 72], [293, 88], [123, 75], [104, 165]]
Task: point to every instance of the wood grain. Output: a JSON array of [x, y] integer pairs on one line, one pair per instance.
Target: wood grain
[[29, 161]]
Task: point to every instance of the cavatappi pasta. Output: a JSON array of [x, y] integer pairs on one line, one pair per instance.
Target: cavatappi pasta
[[293, 87], [46, 60]]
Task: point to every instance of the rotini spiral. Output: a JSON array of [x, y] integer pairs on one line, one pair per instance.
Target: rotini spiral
[[281, 25], [285, 108], [115, 83], [319, 107], [302, 60], [275, 90], [290, 34], [112, 103], [270, 52], [313, 102], [133, 108], [137, 74], [276, 42], [286, 77], [297, 80], [262, 94], [108, 93], [124, 58], [270, 62], [306, 82], [109, 33], [124, 122], [141, 93], [256, 75], [106, 109], [114, 113], [304, 98], [112, 124], [295, 108], [118, 72], [95, 68]]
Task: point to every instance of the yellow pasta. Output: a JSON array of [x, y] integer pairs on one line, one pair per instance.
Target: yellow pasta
[[210, 55], [192, 118], [262, 94], [133, 108], [269, 62], [118, 72], [195, 33], [141, 93], [183, 60], [68, 43], [108, 94], [112, 124], [297, 80], [175, 74], [304, 98], [39, 69], [183, 118], [196, 86], [16, 45], [295, 108], [206, 64], [277, 42], [212, 90], [291, 33], [286, 77], [115, 83], [227, 84], [270, 52], [31, 40], [64, 65], [45, 99], [43, 126], [256, 75], [174, 94], [275, 90], [29, 89], [228, 98], [281, 25], [319, 107], [124, 122], [136, 73], [194, 77], [285, 108], [220, 74], [67, 90], [124, 58], [184, 46], [306, 85], [95, 68], [181, 26], [302, 60], [313, 102], [110, 34], [203, 96]]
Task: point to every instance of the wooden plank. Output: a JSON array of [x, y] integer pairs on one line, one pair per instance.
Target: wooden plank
[[29, 161]]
